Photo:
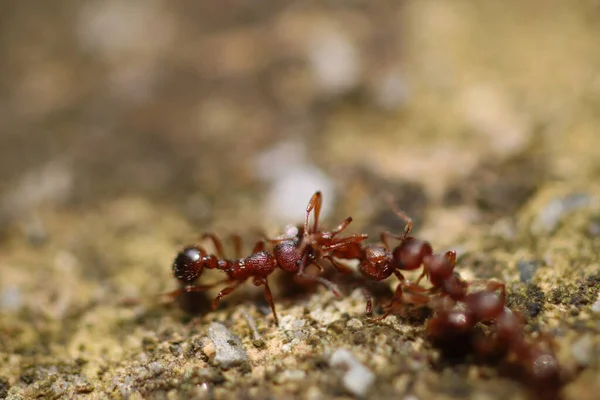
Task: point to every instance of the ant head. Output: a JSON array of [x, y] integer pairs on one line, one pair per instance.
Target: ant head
[[188, 264], [439, 267], [378, 263], [288, 256], [409, 254]]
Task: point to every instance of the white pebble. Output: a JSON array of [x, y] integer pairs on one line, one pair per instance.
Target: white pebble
[[357, 379], [596, 305], [229, 348], [334, 61], [582, 350]]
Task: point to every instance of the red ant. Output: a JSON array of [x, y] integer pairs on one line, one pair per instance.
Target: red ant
[[290, 254], [380, 261], [191, 262], [457, 311]]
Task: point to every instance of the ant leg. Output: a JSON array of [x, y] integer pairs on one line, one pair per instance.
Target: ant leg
[[402, 215], [396, 301], [259, 246], [268, 296], [327, 283], [319, 266], [217, 242], [340, 227], [410, 286], [315, 203], [384, 239], [369, 297], [342, 269], [224, 293], [237, 245], [265, 238], [345, 241]]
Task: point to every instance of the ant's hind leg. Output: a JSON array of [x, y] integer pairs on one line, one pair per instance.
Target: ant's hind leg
[[268, 296], [217, 242]]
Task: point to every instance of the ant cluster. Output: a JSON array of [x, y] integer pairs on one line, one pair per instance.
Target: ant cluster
[[457, 307]]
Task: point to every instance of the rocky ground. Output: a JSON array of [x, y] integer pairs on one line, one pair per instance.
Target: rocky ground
[[128, 129]]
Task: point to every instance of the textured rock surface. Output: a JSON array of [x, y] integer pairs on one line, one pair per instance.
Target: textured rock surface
[[127, 130]]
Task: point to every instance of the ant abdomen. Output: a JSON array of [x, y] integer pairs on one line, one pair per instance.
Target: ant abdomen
[[409, 254], [453, 286], [439, 268], [188, 265], [486, 306], [454, 322]]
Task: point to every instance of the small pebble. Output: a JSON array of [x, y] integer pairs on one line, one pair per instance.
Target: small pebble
[[596, 305], [527, 269], [354, 324], [291, 375], [155, 368], [229, 349], [357, 379], [583, 350], [550, 216]]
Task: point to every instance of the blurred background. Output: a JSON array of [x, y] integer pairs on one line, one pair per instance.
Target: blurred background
[[248, 108], [127, 128]]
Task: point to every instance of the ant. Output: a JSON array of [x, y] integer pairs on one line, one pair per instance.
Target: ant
[[458, 311], [192, 260], [380, 261], [309, 246]]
